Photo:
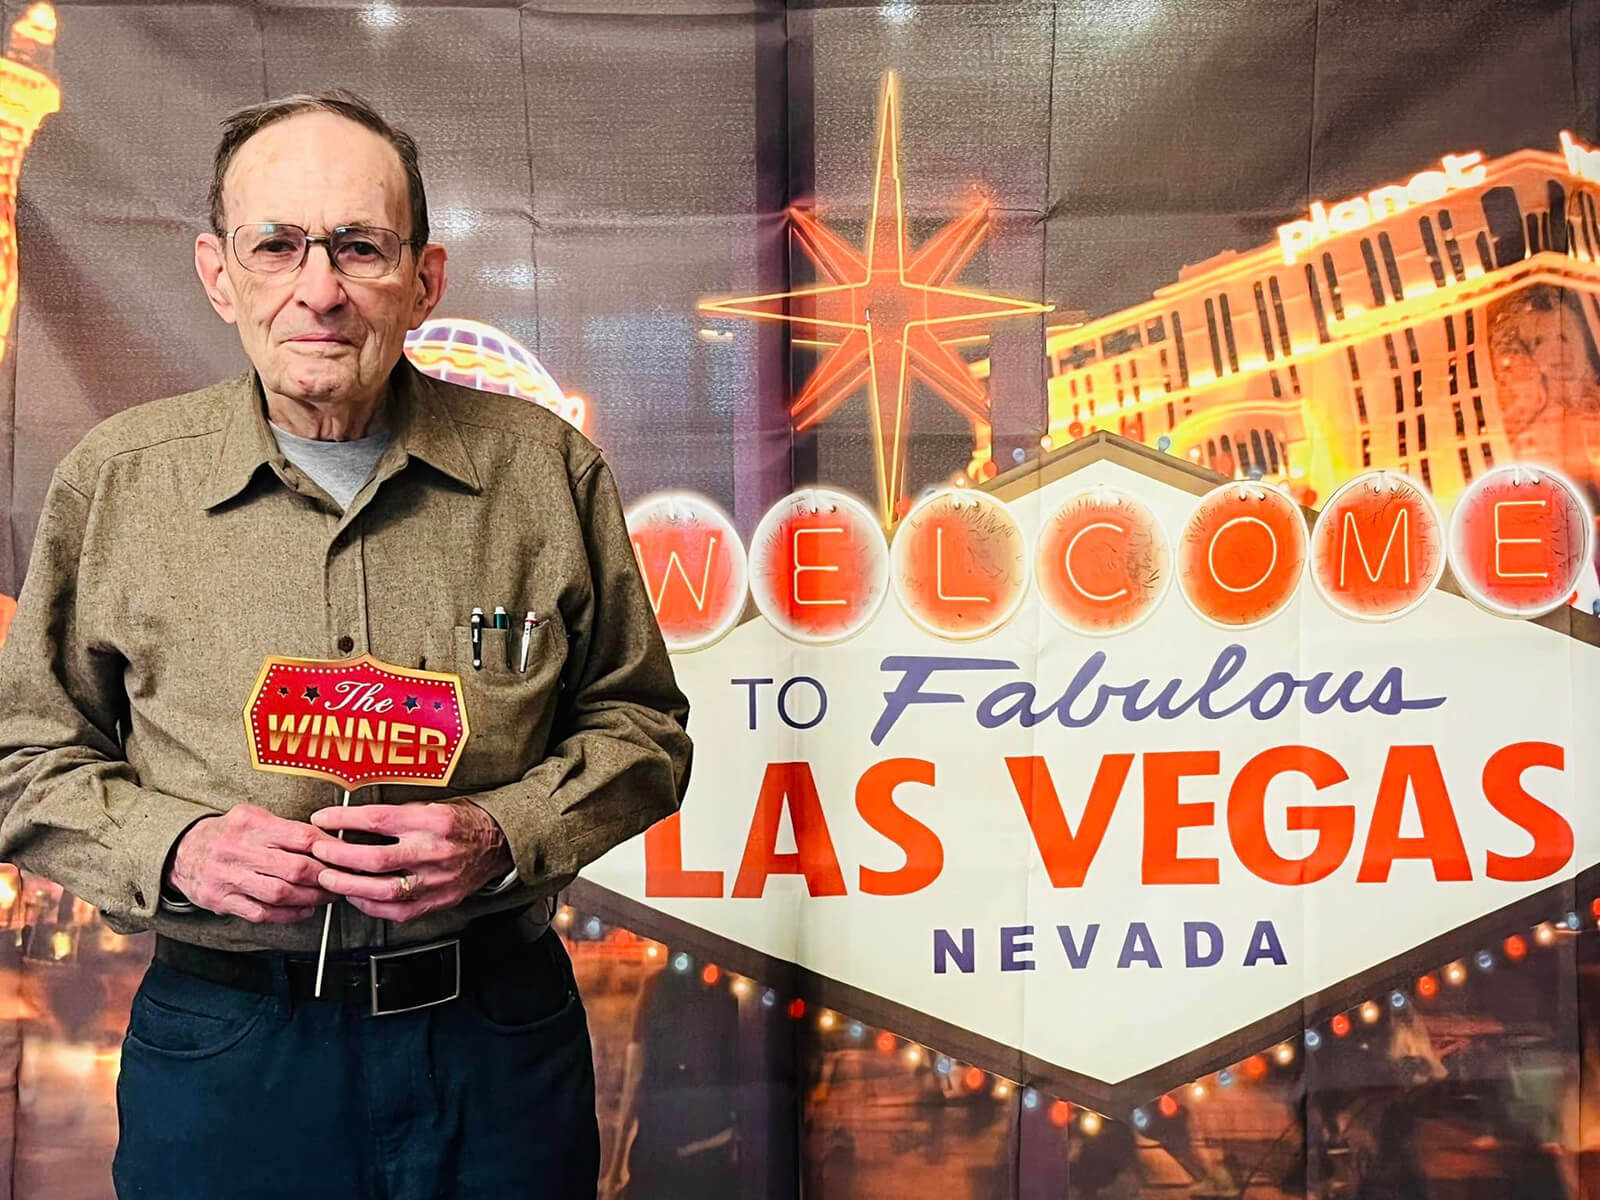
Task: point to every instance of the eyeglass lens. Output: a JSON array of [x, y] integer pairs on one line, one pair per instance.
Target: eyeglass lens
[[357, 250]]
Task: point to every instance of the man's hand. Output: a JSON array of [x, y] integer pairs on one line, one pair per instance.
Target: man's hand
[[442, 854], [249, 863]]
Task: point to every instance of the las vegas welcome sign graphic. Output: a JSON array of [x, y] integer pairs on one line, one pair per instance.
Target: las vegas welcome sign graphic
[[1108, 775]]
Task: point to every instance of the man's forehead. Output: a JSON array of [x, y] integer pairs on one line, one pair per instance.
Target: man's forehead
[[317, 162]]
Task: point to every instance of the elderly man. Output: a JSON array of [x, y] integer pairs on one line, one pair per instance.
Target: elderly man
[[328, 503]]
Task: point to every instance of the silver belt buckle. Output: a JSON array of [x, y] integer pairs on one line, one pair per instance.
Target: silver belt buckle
[[373, 961]]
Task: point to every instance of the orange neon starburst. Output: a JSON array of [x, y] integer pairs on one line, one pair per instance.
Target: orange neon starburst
[[885, 317]]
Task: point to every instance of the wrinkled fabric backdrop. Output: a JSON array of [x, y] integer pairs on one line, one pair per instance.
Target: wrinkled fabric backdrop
[[595, 169]]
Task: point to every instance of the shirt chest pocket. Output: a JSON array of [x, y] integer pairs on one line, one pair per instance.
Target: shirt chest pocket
[[510, 710]]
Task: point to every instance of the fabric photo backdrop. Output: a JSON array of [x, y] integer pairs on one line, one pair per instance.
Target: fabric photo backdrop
[[599, 170]]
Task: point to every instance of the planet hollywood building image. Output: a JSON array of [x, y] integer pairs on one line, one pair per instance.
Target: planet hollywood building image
[[1439, 326]]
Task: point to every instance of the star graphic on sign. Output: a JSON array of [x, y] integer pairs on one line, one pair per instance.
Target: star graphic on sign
[[412, 704], [437, 705], [283, 691], [886, 316], [311, 693]]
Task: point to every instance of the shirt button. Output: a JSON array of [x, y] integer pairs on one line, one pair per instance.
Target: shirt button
[[346, 644]]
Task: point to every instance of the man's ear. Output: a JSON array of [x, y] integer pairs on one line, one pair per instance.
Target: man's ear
[[211, 265], [430, 282]]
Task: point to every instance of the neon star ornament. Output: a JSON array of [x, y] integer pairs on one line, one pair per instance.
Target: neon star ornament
[[886, 316]]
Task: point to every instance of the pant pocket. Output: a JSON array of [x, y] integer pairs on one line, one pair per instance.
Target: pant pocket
[[178, 1016], [528, 989]]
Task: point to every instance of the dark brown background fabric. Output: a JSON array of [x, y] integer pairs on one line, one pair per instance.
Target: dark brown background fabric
[[596, 167]]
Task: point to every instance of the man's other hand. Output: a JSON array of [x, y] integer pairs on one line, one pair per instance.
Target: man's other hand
[[249, 863], [441, 854]]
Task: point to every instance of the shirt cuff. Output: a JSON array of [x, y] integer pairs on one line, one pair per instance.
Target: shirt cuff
[[159, 821], [510, 807]]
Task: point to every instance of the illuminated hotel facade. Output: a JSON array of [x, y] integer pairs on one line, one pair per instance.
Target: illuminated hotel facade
[[1390, 329]]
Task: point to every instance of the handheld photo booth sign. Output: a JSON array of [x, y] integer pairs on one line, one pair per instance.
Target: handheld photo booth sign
[[356, 721]]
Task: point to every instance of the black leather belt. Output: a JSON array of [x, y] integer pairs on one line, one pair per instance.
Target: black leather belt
[[384, 981]]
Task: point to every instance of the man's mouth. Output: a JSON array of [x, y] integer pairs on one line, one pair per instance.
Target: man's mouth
[[321, 339]]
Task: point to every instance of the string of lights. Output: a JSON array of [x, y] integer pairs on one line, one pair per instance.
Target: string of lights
[[1424, 991], [963, 1077]]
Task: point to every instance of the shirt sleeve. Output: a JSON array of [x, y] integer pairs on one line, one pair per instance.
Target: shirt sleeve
[[71, 806], [620, 755]]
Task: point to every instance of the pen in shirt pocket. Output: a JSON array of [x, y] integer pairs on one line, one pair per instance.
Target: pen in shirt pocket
[[529, 624], [502, 620]]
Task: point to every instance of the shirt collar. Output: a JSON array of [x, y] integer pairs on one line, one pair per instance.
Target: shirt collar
[[418, 417]]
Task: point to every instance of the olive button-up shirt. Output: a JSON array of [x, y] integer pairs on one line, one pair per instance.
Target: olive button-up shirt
[[178, 548]]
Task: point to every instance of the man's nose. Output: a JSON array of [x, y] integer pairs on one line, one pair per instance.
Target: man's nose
[[319, 287]]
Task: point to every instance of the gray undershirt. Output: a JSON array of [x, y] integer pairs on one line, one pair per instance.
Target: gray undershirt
[[339, 468]]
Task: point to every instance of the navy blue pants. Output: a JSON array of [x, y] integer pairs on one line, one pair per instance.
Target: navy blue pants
[[229, 1094]]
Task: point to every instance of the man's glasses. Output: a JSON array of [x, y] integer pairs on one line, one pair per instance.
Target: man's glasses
[[358, 251]]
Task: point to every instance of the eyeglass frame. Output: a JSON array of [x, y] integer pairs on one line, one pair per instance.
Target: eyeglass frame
[[326, 241]]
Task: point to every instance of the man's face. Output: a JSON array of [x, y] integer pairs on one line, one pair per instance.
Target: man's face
[[313, 334]]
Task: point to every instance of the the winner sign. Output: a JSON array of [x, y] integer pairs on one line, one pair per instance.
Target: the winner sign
[[355, 721], [1120, 776]]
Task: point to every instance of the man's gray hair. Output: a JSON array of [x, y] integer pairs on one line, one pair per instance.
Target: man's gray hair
[[239, 127]]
